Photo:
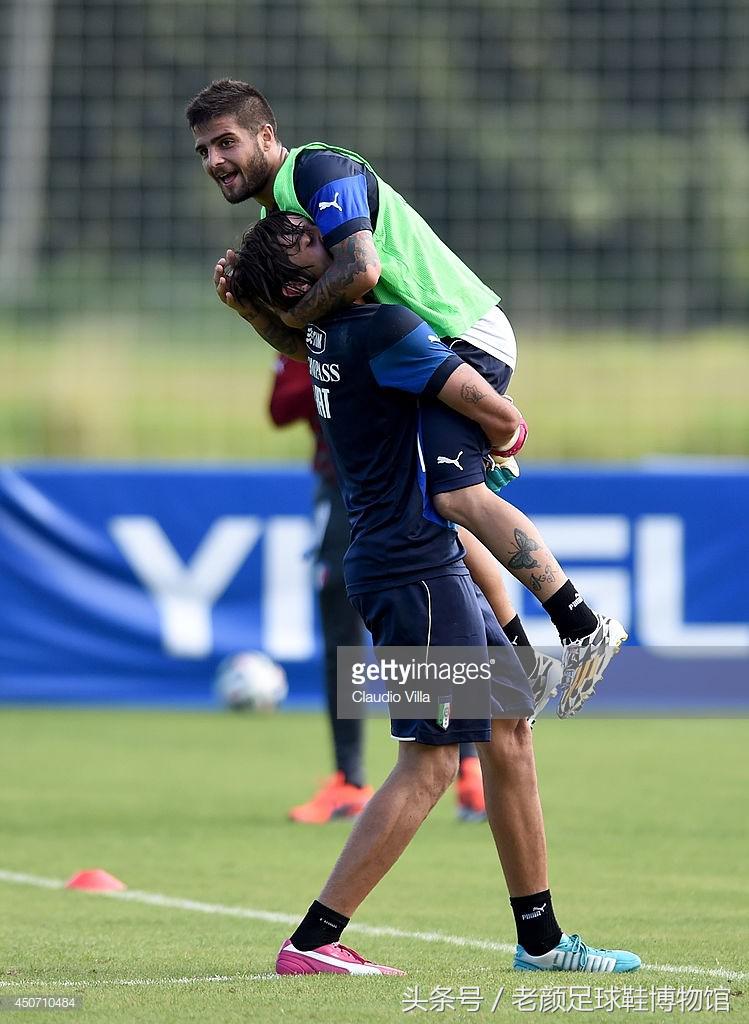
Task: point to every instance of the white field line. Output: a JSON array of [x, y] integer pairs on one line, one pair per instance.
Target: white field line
[[45, 984], [247, 913]]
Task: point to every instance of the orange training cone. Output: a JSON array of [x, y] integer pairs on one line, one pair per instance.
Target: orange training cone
[[95, 880]]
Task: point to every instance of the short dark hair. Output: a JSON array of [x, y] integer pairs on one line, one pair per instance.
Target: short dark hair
[[230, 96], [263, 268]]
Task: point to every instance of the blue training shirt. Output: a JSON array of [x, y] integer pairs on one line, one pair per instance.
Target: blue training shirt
[[368, 366], [339, 194]]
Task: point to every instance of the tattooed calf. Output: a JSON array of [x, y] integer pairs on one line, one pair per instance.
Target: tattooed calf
[[547, 576], [523, 559]]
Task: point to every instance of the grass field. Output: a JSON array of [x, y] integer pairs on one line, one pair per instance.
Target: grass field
[[147, 388], [647, 829]]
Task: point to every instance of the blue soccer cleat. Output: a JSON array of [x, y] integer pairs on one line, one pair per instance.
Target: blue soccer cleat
[[572, 954]]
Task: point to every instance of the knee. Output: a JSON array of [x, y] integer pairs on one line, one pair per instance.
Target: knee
[[512, 740], [446, 768], [443, 768], [443, 504], [451, 505], [434, 768], [466, 504]]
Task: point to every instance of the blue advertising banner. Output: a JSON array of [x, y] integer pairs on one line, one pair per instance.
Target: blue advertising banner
[[130, 584]]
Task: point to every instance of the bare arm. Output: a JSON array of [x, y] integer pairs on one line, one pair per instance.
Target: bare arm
[[468, 393], [355, 270], [283, 339]]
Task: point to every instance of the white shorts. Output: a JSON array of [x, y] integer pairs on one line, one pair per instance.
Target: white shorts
[[493, 333]]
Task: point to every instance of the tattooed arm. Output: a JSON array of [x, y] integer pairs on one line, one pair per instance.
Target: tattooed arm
[[355, 270], [283, 339], [468, 393]]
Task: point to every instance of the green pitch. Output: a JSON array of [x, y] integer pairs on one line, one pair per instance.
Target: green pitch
[[647, 830]]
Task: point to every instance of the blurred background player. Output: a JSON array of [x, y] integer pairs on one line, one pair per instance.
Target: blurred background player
[[378, 242], [345, 793]]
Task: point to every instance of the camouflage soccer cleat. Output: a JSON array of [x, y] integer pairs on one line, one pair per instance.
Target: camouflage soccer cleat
[[544, 679], [585, 661]]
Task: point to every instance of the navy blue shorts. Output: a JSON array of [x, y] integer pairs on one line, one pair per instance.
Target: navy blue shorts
[[445, 611], [453, 446]]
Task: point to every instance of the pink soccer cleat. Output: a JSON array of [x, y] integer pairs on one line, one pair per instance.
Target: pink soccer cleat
[[331, 959]]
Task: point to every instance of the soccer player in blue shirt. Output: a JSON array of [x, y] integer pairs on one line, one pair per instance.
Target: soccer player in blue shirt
[[406, 576], [378, 241]]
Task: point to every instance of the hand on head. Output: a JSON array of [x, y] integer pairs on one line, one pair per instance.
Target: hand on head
[[222, 275], [279, 260]]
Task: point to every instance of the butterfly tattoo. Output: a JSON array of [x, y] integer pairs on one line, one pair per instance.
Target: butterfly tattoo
[[523, 559]]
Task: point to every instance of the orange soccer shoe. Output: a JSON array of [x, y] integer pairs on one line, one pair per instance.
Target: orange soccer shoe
[[335, 799], [471, 805]]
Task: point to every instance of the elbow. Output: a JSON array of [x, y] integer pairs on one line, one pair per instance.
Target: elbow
[[370, 274], [504, 427], [506, 420], [511, 440]]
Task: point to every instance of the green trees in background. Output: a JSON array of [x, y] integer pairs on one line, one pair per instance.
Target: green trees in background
[[589, 157]]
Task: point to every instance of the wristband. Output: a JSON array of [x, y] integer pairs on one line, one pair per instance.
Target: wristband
[[517, 442]]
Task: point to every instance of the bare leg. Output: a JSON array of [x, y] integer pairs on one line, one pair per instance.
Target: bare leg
[[400, 806], [389, 822], [509, 535], [486, 574], [513, 806]]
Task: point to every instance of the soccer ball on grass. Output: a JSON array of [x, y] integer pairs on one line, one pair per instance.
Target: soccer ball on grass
[[250, 681]]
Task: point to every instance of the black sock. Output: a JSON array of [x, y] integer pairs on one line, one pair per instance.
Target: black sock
[[320, 926], [467, 750], [569, 613], [516, 635], [348, 745], [537, 928]]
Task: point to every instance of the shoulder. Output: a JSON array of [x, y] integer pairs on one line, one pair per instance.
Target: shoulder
[[398, 321], [405, 353], [315, 168]]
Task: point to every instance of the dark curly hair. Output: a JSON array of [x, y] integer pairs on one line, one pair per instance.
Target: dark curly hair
[[263, 268]]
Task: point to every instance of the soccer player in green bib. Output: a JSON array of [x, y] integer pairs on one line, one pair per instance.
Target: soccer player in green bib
[[380, 245]]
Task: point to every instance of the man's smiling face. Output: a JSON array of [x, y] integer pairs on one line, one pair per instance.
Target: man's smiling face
[[235, 157]]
